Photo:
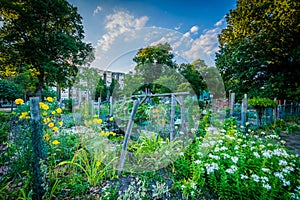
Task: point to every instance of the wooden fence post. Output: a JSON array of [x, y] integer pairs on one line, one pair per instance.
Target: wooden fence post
[[232, 99], [275, 110], [127, 136], [172, 117], [110, 106], [244, 110], [38, 148], [99, 101]]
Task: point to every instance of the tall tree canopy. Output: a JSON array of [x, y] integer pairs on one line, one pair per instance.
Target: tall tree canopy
[[260, 49], [44, 35]]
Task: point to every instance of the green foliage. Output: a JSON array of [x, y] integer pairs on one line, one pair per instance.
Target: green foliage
[[51, 36], [9, 90], [259, 52], [262, 102], [101, 90], [68, 105], [5, 126]]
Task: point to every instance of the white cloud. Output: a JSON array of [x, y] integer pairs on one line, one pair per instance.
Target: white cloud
[[206, 44], [117, 24], [178, 27], [187, 34], [194, 29], [220, 22], [97, 10]]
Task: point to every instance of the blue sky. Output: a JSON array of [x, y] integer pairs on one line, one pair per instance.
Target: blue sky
[[117, 29]]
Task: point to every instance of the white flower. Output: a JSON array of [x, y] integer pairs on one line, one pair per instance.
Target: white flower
[[244, 145], [282, 162], [181, 154], [200, 154], [247, 123], [244, 176], [217, 149], [235, 159], [197, 162], [214, 157], [267, 186], [236, 147], [255, 177], [286, 183], [226, 155], [256, 154], [211, 167], [279, 175], [265, 169], [229, 171], [223, 148], [264, 179], [183, 186], [193, 185], [267, 154]]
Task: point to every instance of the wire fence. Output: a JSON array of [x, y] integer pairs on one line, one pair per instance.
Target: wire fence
[[269, 115]]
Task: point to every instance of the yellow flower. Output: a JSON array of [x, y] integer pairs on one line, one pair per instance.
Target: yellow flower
[[44, 113], [113, 134], [55, 142], [95, 116], [50, 99], [98, 163], [107, 134], [47, 137], [55, 128], [101, 133], [19, 101], [111, 119], [59, 110], [51, 125], [99, 121], [94, 121], [53, 112], [89, 122], [60, 123], [41, 104], [45, 107], [23, 115]]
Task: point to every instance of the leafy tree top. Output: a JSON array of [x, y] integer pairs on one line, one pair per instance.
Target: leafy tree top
[[258, 102], [45, 35]]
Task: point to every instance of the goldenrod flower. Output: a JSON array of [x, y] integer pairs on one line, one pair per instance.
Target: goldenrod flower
[[59, 110], [53, 112], [111, 119], [60, 123], [113, 134], [99, 121], [55, 142], [107, 134], [50, 125], [50, 99], [55, 128], [19, 101]]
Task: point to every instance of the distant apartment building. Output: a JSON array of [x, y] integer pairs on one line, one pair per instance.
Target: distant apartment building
[[85, 86]]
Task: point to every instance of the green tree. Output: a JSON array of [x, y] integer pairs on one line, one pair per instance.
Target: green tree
[[9, 91], [152, 61], [101, 90], [259, 49], [44, 35]]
